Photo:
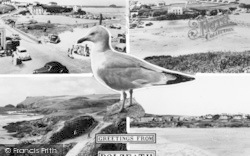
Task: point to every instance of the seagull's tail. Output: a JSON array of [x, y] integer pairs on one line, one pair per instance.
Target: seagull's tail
[[177, 78]]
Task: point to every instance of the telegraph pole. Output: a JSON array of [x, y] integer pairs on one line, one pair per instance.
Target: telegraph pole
[[100, 22]]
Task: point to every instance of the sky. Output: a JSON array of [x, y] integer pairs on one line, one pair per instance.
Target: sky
[[208, 94], [81, 2], [14, 90]]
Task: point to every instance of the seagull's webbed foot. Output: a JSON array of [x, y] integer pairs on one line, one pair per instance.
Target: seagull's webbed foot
[[123, 110], [131, 97]]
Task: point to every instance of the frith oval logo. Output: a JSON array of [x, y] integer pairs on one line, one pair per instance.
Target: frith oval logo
[[208, 28]]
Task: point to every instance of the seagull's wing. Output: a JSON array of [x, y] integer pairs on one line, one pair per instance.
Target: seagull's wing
[[139, 71]]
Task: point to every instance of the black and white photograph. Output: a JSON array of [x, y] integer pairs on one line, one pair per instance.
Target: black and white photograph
[[192, 36], [58, 110], [40, 37], [207, 117], [124, 78]]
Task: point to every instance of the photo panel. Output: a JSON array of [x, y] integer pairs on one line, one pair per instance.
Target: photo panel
[[42, 37], [57, 115], [208, 116], [192, 36]]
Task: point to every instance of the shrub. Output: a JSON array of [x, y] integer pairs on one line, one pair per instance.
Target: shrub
[[74, 128], [217, 62]]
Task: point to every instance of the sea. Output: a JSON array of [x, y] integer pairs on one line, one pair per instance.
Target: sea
[[5, 137]]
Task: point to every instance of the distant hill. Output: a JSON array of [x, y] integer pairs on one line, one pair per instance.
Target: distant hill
[[9, 106], [56, 103]]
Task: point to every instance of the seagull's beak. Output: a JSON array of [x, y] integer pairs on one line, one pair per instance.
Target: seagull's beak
[[83, 39], [180, 79]]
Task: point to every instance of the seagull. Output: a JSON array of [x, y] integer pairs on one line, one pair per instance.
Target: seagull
[[123, 72]]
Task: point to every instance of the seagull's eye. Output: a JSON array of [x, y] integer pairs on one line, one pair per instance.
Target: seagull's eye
[[92, 34]]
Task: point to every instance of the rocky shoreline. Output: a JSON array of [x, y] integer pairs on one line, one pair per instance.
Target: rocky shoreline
[[67, 119]]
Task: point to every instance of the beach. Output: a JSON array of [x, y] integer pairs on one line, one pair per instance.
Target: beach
[[171, 38], [6, 138], [197, 142]]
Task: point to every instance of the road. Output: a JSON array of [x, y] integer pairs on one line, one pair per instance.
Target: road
[[41, 54]]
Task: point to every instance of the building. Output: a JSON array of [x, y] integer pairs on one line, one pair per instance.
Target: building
[[133, 14], [238, 117], [76, 8], [218, 1], [192, 1], [224, 117], [161, 4], [6, 2], [35, 3], [175, 10], [37, 10], [209, 116]]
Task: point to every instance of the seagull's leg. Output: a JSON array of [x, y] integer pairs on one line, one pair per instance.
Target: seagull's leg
[[131, 97], [124, 101]]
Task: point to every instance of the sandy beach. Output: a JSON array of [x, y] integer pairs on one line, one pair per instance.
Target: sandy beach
[[6, 138], [197, 142], [171, 38]]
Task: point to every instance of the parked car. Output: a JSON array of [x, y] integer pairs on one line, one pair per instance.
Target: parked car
[[121, 47], [2, 53], [149, 24], [115, 26], [52, 68], [54, 38], [22, 54]]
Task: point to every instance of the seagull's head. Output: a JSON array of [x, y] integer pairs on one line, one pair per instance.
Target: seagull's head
[[97, 34]]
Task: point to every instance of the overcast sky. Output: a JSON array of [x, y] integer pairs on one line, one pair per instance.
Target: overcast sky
[[81, 2], [208, 94], [14, 90]]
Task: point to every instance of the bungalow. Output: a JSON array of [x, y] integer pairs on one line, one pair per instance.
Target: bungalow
[[208, 116], [37, 10], [6, 2], [175, 10], [224, 117], [237, 117], [161, 4], [192, 1], [167, 119], [146, 119], [218, 1], [76, 8], [35, 3], [133, 14]]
